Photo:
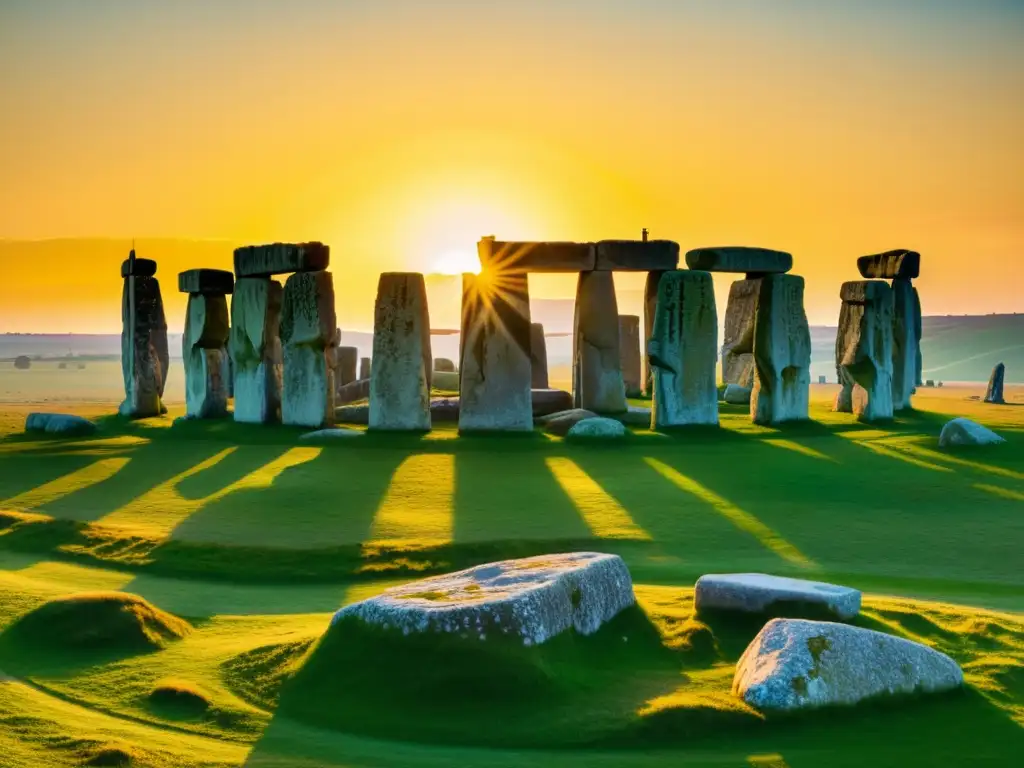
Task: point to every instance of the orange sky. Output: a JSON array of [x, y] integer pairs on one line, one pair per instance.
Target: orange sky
[[400, 133]]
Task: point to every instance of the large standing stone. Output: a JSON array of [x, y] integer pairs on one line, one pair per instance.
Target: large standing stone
[[899, 264], [738, 344], [650, 309], [905, 344], [795, 664], [538, 357], [683, 350], [597, 376], [281, 258], [348, 362], [864, 350], [204, 351], [364, 368], [735, 258], [918, 333], [400, 383], [994, 393], [761, 592], [308, 323], [782, 352], [256, 349], [145, 366], [629, 354]]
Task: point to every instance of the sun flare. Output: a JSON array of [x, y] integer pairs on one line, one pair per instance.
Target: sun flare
[[456, 262]]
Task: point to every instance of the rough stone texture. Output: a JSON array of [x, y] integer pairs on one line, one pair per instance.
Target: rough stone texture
[[538, 357], [734, 258], [738, 341], [782, 352], [400, 383], [683, 350], [354, 390], [308, 323], [331, 433], [502, 257], [364, 368], [864, 350], [905, 344], [650, 310], [59, 424], [444, 365], [795, 664], [215, 282], [629, 355], [599, 428], [144, 382], [636, 416], [891, 265], [531, 600], [758, 592], [918, 328], [281, 258], [347, 363], [597, 376], [204, 352], [143, 267], [446, 381], [352, 414], [256, 349], [560, 423], [444, 409], [637, 255], [495, 370], [736, 395], [994, 393], [544, 402], [959, 432]]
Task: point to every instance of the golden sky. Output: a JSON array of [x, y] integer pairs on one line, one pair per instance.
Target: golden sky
[[399, 132]]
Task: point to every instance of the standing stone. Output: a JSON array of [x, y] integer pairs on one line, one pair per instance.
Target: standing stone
[[204, 350], [782, 352], [256, 349], [494, 385], [994, 394], [864, 355], [918, 328], [683, 350], [597, 376], [348, 362], [738, 344], [308, 323], [400, 383], [364, 368], [650, 309], [538, 357], [905, 345], [144, 382], [629, 354]]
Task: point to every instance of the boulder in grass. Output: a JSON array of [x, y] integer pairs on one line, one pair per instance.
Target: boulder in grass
[[530, 600], [634, 416], [736, 394], [795, 664], [560, 423], [547, 401], [963, 431], [59, 424], [759, 592], [332, 433], [600, 428], [352, 414]]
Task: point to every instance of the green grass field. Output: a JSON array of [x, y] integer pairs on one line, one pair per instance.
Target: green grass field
[[244, 541]]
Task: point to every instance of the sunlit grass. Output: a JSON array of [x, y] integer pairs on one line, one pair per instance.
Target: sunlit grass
[[603, 514], [417, 511]]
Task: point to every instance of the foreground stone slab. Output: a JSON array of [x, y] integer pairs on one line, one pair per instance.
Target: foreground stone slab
[[500, 257], [347, 363], [561, 422], [544, 402], [961, 431], [683, 350], [204, 352], [59, 424], [214, 282], [995, 392], [758, 592], [144, 363], [597, 375], [143, 268], [531, 600], [400, 384], [637, 255], [281, 258], [735, 258], [538, 357], [308, 323], [782, 352], [255, 348], [864, 350], [629, 355], [738, 341], [906, 344], [599, 428], [331, 433], [795, 664], [892, 265]]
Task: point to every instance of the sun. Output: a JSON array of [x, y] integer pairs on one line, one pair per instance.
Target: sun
[[456, 261]]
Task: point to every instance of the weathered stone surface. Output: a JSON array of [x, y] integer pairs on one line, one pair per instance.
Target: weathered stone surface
[[144, 367], [446, 381], [759, 592], [281, 258], [629, 355], [544, 402], [735, 258], [59, 424], [864, 351], [918, 329], [444, 365], [905, 345], [205, 355], [683, 350], [637, 255], [308, 323], [352, 414], [994, 393], [538, 357], [364, 368], [597, 377], [495, 370], [347, 363], [796, 664], [143, 267], [891, 265], [215, 282], [444, 409], [331, 433], [961, 431], [353, 391], [738, 341], [207, 323], [822, 380], [650, 310], [561, 422], [519, 257], [532, 600], [782, 352], [256, 349], [600, 428], [400, 383], [635, 416], [736, 395]]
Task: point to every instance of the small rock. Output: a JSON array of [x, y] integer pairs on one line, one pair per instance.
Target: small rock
[[756, 592], [963, 431], [560, 423], [59, 424], [597, 428], [737, 395], [333, 433]]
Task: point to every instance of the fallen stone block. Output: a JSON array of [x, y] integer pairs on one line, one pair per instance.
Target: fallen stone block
[[864, 350], [353, 391], [635, 416], [544, 402], [331, 434], [629, 355], [538, 357], [444, 365], [995, 392], [59, 424], [308, 323], [899, 264], [637, 255], [530, 600], [352, 414], [737, 395], [599, 428], [782, 352], [961, 431], [760, 592], [794, 664], [281, 259], [143, 268], [735, 258], [519, 257], [561, 422], [444, 409], [213, 282], [255, 346], [597, 375]]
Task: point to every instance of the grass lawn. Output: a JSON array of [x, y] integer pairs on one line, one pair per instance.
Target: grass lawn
[[254, 539]]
